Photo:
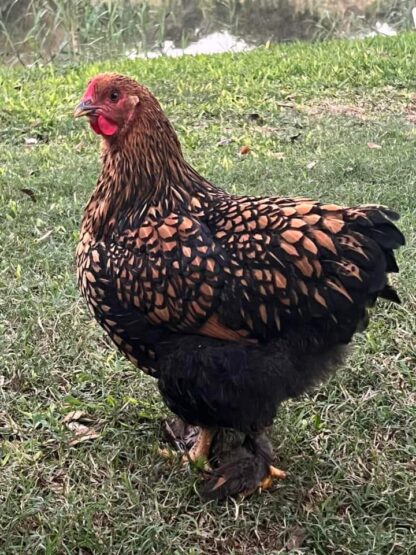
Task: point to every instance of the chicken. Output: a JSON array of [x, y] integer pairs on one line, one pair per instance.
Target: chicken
[[233, 303]]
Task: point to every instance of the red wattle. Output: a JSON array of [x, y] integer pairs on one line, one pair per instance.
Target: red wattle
[[107, 127], [94, 126], [103, 126]]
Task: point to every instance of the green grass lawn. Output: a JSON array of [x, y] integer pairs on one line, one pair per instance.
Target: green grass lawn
[[309, 113]]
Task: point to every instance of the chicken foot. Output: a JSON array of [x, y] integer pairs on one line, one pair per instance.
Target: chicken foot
[[201, 448], [192, 442], [274, 472], [267, 481], [180, 435]]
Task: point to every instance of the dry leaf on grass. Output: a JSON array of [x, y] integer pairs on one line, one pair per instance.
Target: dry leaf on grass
[[286, 104], [225, 141], [245, 150], [77, 415], [91, 434], [45, 236], [58, 482], [30, 141], [6, 421], [374, 146], [277, 155], [77, 421], [78, 428]]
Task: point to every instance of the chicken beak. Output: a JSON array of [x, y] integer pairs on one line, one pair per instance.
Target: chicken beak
[[84, 108]]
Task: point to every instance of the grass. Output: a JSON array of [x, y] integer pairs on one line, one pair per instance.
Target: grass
[[349, 446], [42, 31]]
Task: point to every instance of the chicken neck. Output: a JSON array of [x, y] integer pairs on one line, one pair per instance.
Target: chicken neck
[[145, 169]]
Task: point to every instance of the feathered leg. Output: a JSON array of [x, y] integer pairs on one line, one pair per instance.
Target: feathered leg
[[242, 467], [181, 435]]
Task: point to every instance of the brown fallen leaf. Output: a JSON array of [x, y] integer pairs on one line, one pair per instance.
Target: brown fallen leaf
[[58, 482], [76, 415], [78, 428], [77, 421], [245, 149], [91, 434], [374, 146]]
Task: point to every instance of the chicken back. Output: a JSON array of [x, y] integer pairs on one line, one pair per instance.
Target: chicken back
[[233, 303]]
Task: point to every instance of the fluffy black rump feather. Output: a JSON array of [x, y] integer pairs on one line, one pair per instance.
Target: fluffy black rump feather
[[214, 383]]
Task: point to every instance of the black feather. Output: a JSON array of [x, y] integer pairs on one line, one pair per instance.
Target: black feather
[[390, 294]]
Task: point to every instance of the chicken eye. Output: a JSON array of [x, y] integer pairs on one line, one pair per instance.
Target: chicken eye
[[114, 96]]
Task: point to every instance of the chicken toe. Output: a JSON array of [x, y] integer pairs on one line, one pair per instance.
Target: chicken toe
[[277, 473], [274, 472], [201, 448]]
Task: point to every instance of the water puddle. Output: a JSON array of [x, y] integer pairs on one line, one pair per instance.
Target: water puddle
[[214, 43], [383, 29], [223, 41]]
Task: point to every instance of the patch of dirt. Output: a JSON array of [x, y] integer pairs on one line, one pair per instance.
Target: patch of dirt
[[411, 110], [386, 102], [327, 107]]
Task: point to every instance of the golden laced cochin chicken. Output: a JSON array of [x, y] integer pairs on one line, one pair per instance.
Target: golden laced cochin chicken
[[233, 303]]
